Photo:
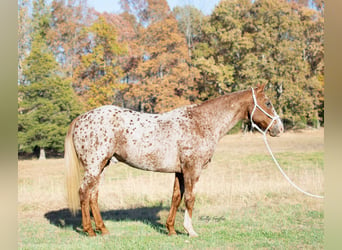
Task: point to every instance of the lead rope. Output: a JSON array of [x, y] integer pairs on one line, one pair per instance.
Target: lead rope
[[276, 117]]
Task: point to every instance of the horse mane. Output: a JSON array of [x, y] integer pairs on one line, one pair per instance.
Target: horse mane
[[220, 99]]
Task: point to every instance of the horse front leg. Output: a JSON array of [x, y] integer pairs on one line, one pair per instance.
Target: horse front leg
[[189, 199], [178, 191]]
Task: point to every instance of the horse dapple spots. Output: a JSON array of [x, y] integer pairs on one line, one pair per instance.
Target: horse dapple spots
[[181, 141]]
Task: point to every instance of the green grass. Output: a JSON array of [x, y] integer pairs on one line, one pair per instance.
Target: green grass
[[278, 227], [289, 160]]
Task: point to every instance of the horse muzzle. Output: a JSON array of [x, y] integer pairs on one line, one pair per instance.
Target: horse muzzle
[[277, 129]]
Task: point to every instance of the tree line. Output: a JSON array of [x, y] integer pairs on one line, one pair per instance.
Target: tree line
[[152, 59]]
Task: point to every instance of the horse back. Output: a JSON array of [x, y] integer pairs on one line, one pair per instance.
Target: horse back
[[154, 142]]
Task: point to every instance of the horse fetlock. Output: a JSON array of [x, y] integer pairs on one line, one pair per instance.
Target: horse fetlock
[[188, 225], [104, 231], [90, 232], [170, 228], [190, 231], [193, 234], [172, 232]]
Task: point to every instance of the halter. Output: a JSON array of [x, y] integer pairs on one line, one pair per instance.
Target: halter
[[256, 105], [276, 117]]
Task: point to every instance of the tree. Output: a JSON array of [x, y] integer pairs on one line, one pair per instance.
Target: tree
[[159, 75], [40, 64], [190, 21], [266, 41], [288, 70], [128, 33], [45, 112], [65, 37], [24, 24], [47, 103], [223, 46], [164, 72], [147, 12], [98, 76]]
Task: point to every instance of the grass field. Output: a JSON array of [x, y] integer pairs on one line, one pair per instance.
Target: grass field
[[242, 202]]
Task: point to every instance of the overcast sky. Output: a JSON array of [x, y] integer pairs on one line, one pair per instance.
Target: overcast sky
[[113, 6]]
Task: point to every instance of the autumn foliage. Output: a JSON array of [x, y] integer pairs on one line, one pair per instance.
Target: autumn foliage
[[153, 59]]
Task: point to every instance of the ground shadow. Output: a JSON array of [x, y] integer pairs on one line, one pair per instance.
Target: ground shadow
[[148, 215]]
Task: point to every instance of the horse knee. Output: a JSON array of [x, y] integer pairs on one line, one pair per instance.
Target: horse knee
[[189, 200]]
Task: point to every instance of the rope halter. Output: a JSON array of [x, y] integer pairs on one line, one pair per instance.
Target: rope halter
[[274, 118]]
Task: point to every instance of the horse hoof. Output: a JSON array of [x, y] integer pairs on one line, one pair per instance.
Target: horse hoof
[[91, 233], [104, 231], [193, 235], [172, 233]]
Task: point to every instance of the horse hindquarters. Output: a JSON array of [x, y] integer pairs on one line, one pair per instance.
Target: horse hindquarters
[[88, 194], [83, 193]]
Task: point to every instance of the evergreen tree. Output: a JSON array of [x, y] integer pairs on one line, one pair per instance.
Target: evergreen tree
[[47, 103], [45, 111], [40, 64]]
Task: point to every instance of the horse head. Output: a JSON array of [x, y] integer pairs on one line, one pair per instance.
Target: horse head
[[263, 115]]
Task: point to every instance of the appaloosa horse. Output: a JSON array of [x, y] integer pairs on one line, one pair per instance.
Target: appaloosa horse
[[181, 141]]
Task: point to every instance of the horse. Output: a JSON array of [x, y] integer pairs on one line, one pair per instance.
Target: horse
[[181, 141]]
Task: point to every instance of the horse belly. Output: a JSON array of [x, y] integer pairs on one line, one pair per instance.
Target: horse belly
[[163, 159]]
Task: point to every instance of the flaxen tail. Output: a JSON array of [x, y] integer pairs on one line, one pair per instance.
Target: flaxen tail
[[73, 167]]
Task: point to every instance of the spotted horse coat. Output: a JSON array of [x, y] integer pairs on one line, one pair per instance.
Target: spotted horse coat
[[181, 141]]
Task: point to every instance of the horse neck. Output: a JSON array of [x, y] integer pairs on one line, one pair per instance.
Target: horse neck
[[223, 113]]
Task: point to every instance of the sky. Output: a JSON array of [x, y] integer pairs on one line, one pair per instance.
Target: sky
[[113, 6]]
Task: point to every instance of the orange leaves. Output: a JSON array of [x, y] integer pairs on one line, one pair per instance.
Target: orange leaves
[[165, 78], [98, 74]]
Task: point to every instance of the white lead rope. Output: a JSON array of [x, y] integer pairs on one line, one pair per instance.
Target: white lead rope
[[276, 117]]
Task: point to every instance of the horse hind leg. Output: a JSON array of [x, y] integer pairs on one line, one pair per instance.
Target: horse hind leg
[[88, 193], [84, 193], [95, 209], [178, 191]]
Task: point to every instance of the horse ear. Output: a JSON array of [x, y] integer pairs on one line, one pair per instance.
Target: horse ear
[[261, 87]]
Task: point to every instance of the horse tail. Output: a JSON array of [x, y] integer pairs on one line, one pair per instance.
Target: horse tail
[[72, 172]]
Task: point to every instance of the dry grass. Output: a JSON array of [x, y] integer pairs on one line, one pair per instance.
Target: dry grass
[[242, 201], [241, 174]]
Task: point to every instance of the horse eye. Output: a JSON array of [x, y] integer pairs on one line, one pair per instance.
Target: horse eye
[[268, 104]]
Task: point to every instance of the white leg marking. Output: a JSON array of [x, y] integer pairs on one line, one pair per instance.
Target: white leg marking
[[188, 225]]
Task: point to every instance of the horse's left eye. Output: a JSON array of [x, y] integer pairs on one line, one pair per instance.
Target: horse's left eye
[[268, 104]]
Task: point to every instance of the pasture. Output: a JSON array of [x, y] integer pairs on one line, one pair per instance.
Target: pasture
[[242, 201]]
